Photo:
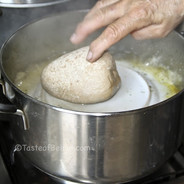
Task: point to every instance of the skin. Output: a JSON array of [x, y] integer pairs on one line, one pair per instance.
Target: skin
[[143, 19]]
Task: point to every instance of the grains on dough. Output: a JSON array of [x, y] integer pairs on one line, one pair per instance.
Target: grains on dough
[[72, 78]]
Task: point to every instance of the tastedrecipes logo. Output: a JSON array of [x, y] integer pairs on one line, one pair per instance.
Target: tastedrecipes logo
[[51, 147]]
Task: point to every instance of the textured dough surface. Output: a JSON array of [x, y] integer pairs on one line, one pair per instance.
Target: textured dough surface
[[72, 78]]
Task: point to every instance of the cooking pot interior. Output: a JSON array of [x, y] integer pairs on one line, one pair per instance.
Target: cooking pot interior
[[47, 39]]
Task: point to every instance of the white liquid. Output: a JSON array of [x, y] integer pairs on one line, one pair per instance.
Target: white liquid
[[140, 88]]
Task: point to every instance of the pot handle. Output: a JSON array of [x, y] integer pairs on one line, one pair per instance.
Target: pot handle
[[6, 107]]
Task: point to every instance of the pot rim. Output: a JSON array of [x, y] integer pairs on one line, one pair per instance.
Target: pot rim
[[6, 78], [32, 4]]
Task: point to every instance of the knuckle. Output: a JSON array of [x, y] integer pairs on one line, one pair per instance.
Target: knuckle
[[143, 11], [99, 4], [100, 15], [113, 32]]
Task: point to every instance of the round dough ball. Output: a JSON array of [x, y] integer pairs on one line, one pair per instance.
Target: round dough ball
[[72, 78]]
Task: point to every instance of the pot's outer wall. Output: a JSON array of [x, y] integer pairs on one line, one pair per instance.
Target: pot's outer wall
[[100, 148]]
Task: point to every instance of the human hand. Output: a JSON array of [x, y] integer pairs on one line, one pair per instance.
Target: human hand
[[144, 19]]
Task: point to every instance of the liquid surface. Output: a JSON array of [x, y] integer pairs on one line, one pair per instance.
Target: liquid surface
[[142, 85]]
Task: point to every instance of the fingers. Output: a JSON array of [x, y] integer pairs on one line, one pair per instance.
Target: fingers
[[157, 30], [100, 16], [116, 31], [144, 19], [150, 32], [100, 4]]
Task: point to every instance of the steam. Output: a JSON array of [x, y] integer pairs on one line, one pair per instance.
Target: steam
[[13, 18]]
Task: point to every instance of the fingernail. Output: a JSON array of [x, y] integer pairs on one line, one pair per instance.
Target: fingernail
[[73, 38], [89, 56]]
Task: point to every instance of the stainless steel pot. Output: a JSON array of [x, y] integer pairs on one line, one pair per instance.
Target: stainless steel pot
[[90, 147]]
